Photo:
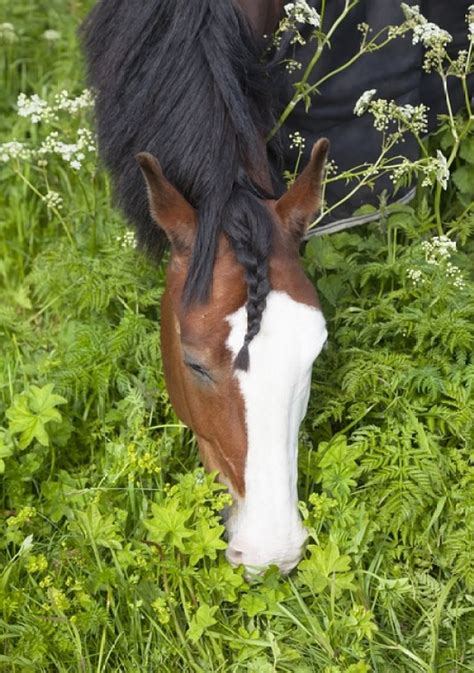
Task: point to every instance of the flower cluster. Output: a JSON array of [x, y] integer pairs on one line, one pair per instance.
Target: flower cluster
[[51, 35], [435, 169], [428, 34], [14, 150], [73, 105], [297, 14], [37, 110], [34, 108], [416, 276], [470, 22], [53, 200], [405, 117], [7, 33], [438, 252], [127, 240], [438, 249], [301, 12], [297, 141], [291, 65], [364, 101], [72, 153]]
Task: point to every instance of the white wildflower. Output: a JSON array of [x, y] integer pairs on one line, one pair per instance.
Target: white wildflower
[[34, 108], [430, 35], [72, 153], [403, 170], [85, 140], [439, 249], [301, 12], [53, 200], [297, 141], [438, 252], [51, 35], [65, 103], [470, 22], [7, 33], [435, 169], [414, 117], [416, 276], [364, 101], [454, 274], [127, 240], [382, 112], [331, 167], [37, 109], [14, 150], [291, 65], [412, 13]]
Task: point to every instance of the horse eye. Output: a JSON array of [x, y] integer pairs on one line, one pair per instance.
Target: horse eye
[[200, 371]]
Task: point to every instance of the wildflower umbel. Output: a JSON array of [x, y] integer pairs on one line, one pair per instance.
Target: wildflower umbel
[[438, 249], [428, 34], [364, 101], [51, 35], [301, 12], [37, 110], [34, 108], [297, 141], [72, 153], [14, 150], [470, 22], [7, 33], [127, 240], [438, 253], [53, 200], [404, 117], [416, 276]]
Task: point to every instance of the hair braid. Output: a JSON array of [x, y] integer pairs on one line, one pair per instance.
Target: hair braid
[[251, 237]]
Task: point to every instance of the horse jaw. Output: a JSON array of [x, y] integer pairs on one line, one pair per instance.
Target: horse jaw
[[264, 526]]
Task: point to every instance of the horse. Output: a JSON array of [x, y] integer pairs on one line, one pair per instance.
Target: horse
[[183, 107]]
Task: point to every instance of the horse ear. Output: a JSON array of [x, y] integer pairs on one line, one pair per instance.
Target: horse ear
[[302, 200], [168, 207]]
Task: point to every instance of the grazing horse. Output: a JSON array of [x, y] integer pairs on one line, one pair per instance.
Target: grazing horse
[[182, 87]]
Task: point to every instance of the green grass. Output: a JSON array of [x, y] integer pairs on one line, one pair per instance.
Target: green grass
[[111, 546]]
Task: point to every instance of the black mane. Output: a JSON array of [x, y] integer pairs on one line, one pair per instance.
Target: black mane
[[184, 80]]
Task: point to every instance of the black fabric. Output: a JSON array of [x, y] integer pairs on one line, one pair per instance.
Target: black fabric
[[395, 72]]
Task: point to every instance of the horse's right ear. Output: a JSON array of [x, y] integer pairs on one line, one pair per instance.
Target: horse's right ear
[[168, 207]]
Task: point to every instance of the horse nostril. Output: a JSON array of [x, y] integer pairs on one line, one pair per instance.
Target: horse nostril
[[234, 556]]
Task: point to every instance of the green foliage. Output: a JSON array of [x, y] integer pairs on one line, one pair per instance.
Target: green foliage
[[31, 411], [111, 539]]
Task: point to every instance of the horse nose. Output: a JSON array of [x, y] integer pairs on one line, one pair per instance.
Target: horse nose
[[234, 556], [256, 564]]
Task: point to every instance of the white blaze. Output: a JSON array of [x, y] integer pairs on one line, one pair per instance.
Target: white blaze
[[265, 526]]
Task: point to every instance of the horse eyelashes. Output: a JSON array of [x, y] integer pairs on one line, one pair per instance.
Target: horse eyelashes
[[200, 371]]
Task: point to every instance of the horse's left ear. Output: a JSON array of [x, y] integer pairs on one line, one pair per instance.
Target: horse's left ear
[[168, 207], [302, 200]]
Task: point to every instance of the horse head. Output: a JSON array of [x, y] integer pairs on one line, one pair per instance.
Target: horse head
[[241, 382]]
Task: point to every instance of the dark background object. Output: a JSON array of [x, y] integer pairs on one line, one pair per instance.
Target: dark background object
[[395, 72]]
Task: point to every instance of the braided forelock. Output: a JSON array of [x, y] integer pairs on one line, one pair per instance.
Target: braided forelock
[[249, 228]]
